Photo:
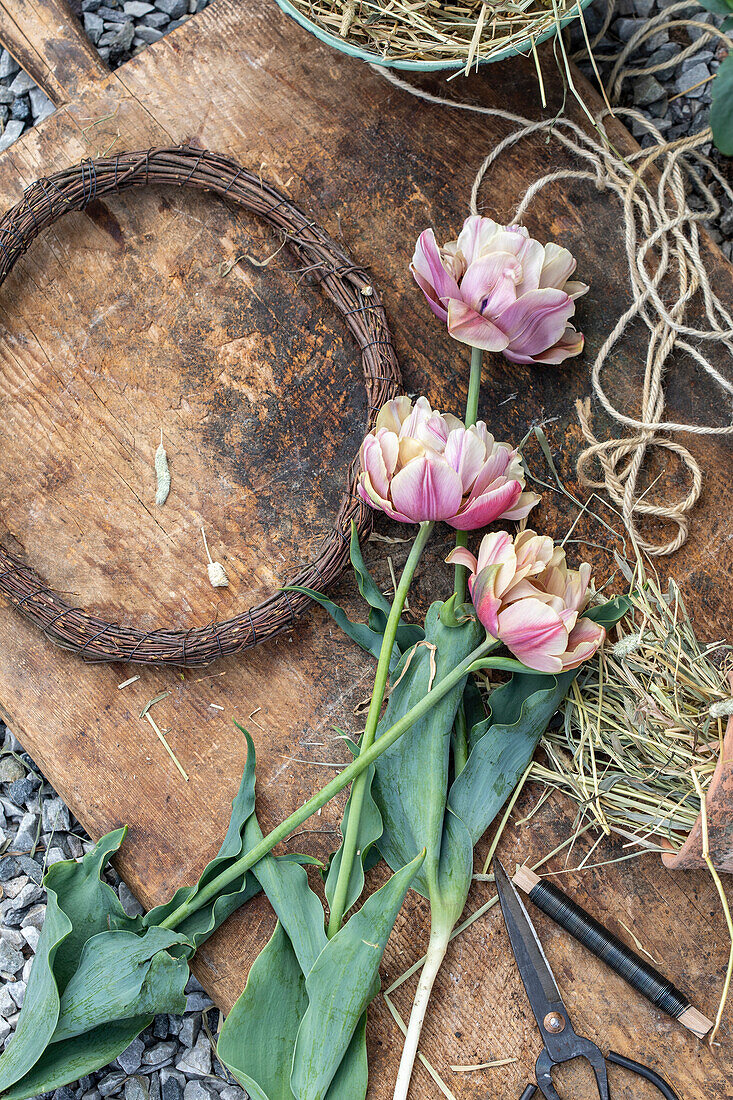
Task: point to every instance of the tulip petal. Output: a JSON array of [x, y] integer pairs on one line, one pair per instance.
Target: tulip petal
[[379, 458], [570, 343], [431, 276], [498, 548], [490, 284], [531, 256], [525, 503], [461, 556], [426, 490], [474, 238], [536, 321], [558, 266], [468, 327], [485, 509], [485, 598], [534, 633], [585, 638], [393, 415], [466, 454]]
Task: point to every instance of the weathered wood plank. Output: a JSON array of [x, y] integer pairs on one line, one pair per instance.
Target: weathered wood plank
[[46, 39], [119, 323]]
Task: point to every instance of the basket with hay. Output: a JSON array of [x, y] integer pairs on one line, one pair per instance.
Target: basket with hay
[[427, 35]]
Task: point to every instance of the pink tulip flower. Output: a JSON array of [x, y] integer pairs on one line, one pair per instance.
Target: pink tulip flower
[[420, 465], [525, 596], [499, 289]]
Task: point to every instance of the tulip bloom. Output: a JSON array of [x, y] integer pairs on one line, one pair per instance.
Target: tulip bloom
[[525, 596], [500, 290], [420, 465]]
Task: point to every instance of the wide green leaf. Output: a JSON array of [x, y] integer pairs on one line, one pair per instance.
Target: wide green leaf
[[121, 975], [61, 1063], [411, 778], [257, 1039], [721, 112], [79, 905], [340, 985], [370, 830]]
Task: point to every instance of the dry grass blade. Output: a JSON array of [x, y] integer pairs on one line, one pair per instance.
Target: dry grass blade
[[639, 720]]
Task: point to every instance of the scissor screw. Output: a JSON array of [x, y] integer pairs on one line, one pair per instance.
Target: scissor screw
[[554, 1023]]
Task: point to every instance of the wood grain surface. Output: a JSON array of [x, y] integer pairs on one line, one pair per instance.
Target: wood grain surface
[[121, 321]]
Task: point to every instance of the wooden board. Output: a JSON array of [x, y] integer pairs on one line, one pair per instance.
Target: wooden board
[[119, 322]]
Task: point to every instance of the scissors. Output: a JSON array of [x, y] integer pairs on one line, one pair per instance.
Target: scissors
[[561, 1042]]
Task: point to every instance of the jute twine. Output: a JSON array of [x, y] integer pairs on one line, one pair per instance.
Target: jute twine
[[667, 275]]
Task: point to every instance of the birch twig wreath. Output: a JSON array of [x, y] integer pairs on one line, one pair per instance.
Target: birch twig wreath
[[344, 282]]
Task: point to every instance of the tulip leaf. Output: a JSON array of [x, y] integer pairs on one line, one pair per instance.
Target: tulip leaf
[[298, 909], [79, 905], [504, 743], [269, 1029], [63, 1062], [411, 778], [407, 633], [719, 7], [370, 830], [121, 975], [721, 112], [257, 1038], [201, 924], [340, 985], [368, 639]]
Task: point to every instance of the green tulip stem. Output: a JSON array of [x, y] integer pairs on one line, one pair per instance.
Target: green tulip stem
[[474, 388], [282, 831], [359, 790]]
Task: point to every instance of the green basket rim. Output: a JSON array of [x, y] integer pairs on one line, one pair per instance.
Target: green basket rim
[[416, 66]]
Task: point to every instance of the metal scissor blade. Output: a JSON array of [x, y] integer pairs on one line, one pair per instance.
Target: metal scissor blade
[[538, 979]]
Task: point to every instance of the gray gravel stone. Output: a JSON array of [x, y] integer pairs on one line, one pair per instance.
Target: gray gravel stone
[[190, 1028], [34, 917], [131, 1059], [8, 65], [11, 959], [233, 1092], [148, 35], [137, 8], [111, 1083], [174, 9], [93, 25], [17, 992], [197, 1090], [7, 1005], [134, 1089], [196, 1062], [25, 838], [130, 904], [10, 767], [159, 1055], [22, 83], [55, 815], [172, 1087], [22, 790], [647, 90], [690, 80], [113, 15]]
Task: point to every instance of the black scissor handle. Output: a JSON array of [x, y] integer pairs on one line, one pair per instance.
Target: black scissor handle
[[634, 1067], [643, 1071]]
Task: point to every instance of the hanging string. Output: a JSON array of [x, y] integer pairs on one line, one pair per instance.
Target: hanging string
[[665, 265]]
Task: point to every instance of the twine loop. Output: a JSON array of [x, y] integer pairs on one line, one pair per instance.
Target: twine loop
[[667, 275]]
